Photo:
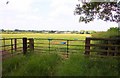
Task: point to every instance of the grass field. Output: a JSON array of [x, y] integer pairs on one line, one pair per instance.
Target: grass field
[[52, 64], [55, 44], [56, 36], [46, 64]]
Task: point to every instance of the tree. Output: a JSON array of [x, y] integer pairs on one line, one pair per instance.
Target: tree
[[113, 29], [107, 11], [82, 31], [2, 30]]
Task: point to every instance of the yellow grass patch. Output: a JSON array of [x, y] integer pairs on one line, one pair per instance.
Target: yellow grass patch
[[37, 35]]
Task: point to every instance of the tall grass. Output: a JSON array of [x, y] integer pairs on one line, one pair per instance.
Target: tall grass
[[37, 65], [52, 65], [10, 64], [79, 65]]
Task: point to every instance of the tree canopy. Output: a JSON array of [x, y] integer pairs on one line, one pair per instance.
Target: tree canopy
[[107, 11]]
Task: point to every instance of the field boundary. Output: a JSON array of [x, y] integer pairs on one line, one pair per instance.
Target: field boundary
[[112, 46], [67, 46]]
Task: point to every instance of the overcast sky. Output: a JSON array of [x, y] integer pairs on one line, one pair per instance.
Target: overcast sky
[[45, 15]]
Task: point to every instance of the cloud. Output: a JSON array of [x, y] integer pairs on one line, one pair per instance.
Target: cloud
[[16, 5], [42, 14], [62, 7], [14, 9], [17, 11]]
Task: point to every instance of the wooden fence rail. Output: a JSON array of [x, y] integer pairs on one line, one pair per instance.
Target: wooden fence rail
[[112, 49], [29, 43]]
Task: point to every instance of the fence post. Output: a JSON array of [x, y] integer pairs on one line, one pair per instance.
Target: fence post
[[15, 44], [24, 45], [87, 46], [12, 46], [4, 43], [67, 47], [116, 51], [49, 46], [31, 44], [49, 39], [108, 51]]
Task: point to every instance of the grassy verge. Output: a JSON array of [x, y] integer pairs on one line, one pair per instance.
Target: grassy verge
[[78, 65], [34, 65], [10, 64], [52, 65]]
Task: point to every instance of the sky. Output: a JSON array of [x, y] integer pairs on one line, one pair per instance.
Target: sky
[[45, 15]]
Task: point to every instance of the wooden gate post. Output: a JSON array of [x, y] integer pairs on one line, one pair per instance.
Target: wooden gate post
[[87, 46], [12, 46], [15, 44], [31, 44], [24, 45], [67, 47], [4, 43]]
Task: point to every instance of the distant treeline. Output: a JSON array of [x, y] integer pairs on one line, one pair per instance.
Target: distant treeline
[[17, 31]]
